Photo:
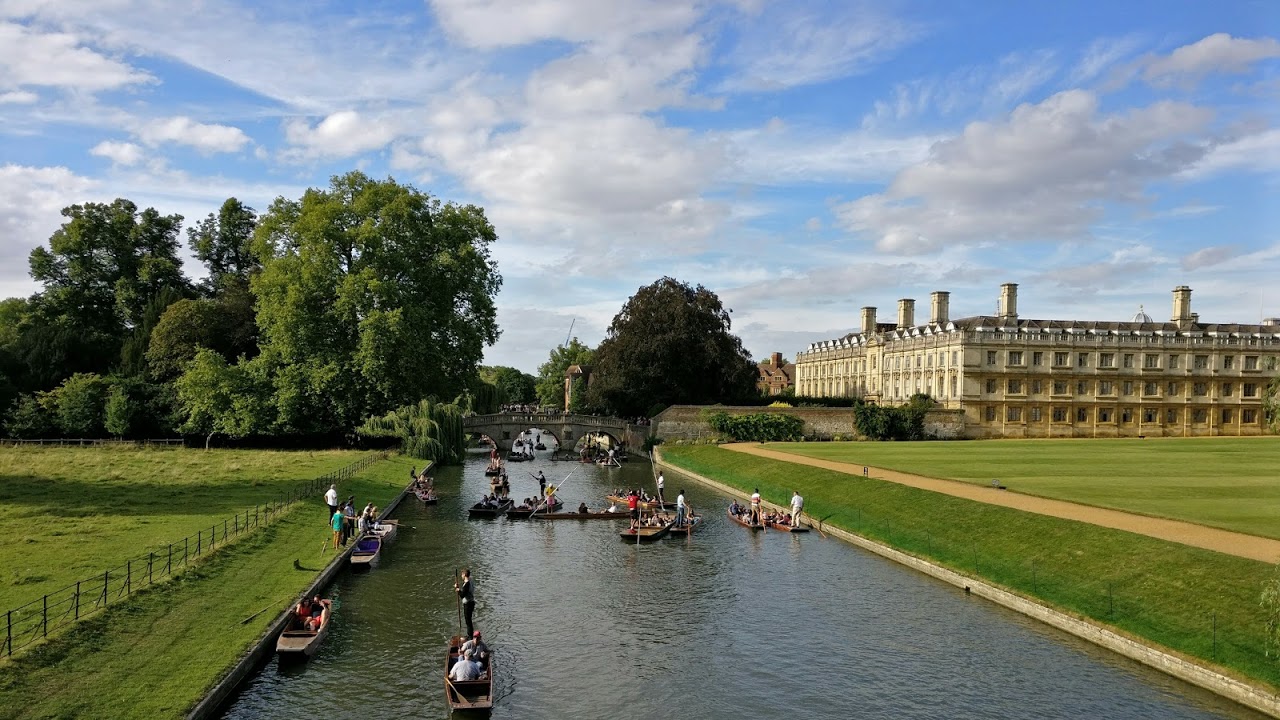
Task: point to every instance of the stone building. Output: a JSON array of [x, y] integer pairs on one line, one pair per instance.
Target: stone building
[[1016, 377], [572, 375], [775, 375]]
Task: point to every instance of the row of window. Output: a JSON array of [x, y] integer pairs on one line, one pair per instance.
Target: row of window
[[1150, 361], [1248, 416], [1015, 386]]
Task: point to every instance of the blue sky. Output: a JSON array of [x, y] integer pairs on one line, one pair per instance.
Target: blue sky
[[801, 159]]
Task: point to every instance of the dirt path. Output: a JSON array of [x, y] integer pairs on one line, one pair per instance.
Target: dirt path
[[1223, 541]]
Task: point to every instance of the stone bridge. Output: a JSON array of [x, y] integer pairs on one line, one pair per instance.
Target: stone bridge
[[503, 428]]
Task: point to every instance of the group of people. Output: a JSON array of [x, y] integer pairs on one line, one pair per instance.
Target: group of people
[[473, 657], [757, 516], [310, 613], [345, 520], [489, 501], [423, 485]]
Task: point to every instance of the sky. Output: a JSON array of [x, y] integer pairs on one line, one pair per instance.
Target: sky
[[800, 159]]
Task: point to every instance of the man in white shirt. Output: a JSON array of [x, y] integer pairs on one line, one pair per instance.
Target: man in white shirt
[[331, 499], [661, 484], [797, 505], [755, 507], [465, 669], [680, 509]]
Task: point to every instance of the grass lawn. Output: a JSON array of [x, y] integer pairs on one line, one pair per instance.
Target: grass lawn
[[155, 655], [73, 512], [1167, 593], [1228, 483]]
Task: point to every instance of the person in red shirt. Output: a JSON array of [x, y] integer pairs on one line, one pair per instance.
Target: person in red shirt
[[633, 503]]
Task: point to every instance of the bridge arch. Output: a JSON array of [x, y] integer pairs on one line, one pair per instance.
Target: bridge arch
[[567, 429]]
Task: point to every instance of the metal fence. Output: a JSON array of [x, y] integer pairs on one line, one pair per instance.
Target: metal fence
[[89, 442], [34, 621]]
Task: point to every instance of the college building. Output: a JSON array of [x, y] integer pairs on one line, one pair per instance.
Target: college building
[[1015, 377]]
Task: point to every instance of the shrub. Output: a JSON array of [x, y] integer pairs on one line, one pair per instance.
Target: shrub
[[758, 427]]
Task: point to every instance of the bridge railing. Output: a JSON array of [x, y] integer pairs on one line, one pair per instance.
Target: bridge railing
[[534, 418]]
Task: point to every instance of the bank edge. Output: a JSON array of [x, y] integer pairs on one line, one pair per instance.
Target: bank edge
[[1248, 695]]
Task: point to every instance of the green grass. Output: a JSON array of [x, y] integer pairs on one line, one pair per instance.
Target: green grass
[[1164, 592], [1228, 483], [156, 655], [73, 512]]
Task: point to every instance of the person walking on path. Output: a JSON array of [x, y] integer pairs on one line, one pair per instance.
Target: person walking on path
[[661, 484], [331, 499], [755, 508], [797, 505], [467, 595], [337, 521]]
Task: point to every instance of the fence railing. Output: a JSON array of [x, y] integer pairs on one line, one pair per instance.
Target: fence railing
[[89, 442], [35, 620]]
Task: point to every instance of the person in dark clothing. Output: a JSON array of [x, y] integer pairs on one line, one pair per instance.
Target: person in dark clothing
[[467, 596], [542, 483]]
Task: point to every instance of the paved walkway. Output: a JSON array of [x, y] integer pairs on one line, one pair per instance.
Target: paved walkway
[[1223, 541]]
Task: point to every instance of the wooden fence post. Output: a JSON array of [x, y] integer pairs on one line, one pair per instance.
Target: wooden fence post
[[77, 600], [199, 541], [128, 576], [106, 581], [151, 558], [44, 617]]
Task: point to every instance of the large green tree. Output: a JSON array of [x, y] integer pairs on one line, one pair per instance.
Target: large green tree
[[550, 384], [514, 385], [372, 295], [670, 344], [224, 243]]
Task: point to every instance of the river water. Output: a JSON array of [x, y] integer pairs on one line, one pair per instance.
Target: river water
[[721, 625]]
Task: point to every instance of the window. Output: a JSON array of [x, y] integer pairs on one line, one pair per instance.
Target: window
[[897, 390], [955, 357], [991, 413], [897, 363], [1128, 360], [1082, 414], [1104, 415], [953, 387], [1128, 387], [1015, 357], [991, 357], [991, 385], [1105, 388], [1061, 359], [1202, 362], [1226, 389], [1037, 358], [917, 361], [1149, 415], [1171, 417], [1013, 414], [1250, 390], [1037, 387], [1250, 362], [1228, 361], [1150, 389], [1173, 362], [1082, 387], [1200, 389], [1059, 414], [1172, 389], [1199, 415], [1059, 387], [1035, 414], [929, 361], [1248, 416], [1015, 387], [1082, 360], [1107, 360], [1227, 414]]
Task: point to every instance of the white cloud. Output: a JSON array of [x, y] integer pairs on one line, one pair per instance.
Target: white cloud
[[1043, 174], [993, 88], [206, 138], [58, 59], [1102, 55], [340, 135], [120, 153], [18, 97], [1256, 151], [1217, 53], [1210, 256], [510, 23], [783, 155], [31, 200]]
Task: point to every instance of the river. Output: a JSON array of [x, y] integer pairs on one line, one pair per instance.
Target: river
[[720, 625]]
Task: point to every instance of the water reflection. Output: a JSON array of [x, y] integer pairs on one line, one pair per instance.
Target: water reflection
[[717, 625]]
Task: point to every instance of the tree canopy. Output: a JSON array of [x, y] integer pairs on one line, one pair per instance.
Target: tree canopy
[[514, 386], [670, 344]]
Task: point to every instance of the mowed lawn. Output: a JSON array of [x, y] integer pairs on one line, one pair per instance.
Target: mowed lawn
[[1230, 483], [72, 513]]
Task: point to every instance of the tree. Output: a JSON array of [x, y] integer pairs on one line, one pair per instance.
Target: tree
[[29, 418], [133, 355], [224, 243], [671, 344], [217, 398], [514, 386], [1271, 399], [224, 324], [80, 401], [372, 295], [123, 411], [550, 381]]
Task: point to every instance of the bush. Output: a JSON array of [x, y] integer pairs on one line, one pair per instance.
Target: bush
[[29, 419], [758, 427], [904, 422]]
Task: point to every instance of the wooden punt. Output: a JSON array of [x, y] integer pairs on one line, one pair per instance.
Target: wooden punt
[[690, 524], [428, 497], [386, 529], [623, 515], [493, 470], [477, 511], [368, 548], [517, 514], [741, 520], [295, 642], [467, 694], [787, 528], [646, 534], [644, 504]]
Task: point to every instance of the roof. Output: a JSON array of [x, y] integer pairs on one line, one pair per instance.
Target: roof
[[785, 372]]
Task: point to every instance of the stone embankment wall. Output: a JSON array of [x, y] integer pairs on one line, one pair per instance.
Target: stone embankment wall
[[688, 422]]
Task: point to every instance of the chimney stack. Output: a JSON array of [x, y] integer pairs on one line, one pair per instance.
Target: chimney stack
[[939, 307], [1182, 314], [1009, 302], [906, 313], [776, 359], [868, 320]]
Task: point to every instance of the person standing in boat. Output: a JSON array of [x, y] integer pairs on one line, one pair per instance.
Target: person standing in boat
[[633, 504], [661, 484], [468, 598], [756, 519], [542, 483], [680, 509], [797, 505]]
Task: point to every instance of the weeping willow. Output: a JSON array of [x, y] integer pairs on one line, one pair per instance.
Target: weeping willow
[[430, 430]]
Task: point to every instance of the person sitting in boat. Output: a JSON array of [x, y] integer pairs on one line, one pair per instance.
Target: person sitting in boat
[[735, 509], [476, 649], [465, 669], [303, 610], [582, 508]]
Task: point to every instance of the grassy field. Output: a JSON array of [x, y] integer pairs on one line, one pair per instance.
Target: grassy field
[[1164, 592], [156, 655], [74, 512], [1227, 483]]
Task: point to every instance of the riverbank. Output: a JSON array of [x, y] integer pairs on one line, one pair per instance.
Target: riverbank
[[156, 655], [1191, 602]]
